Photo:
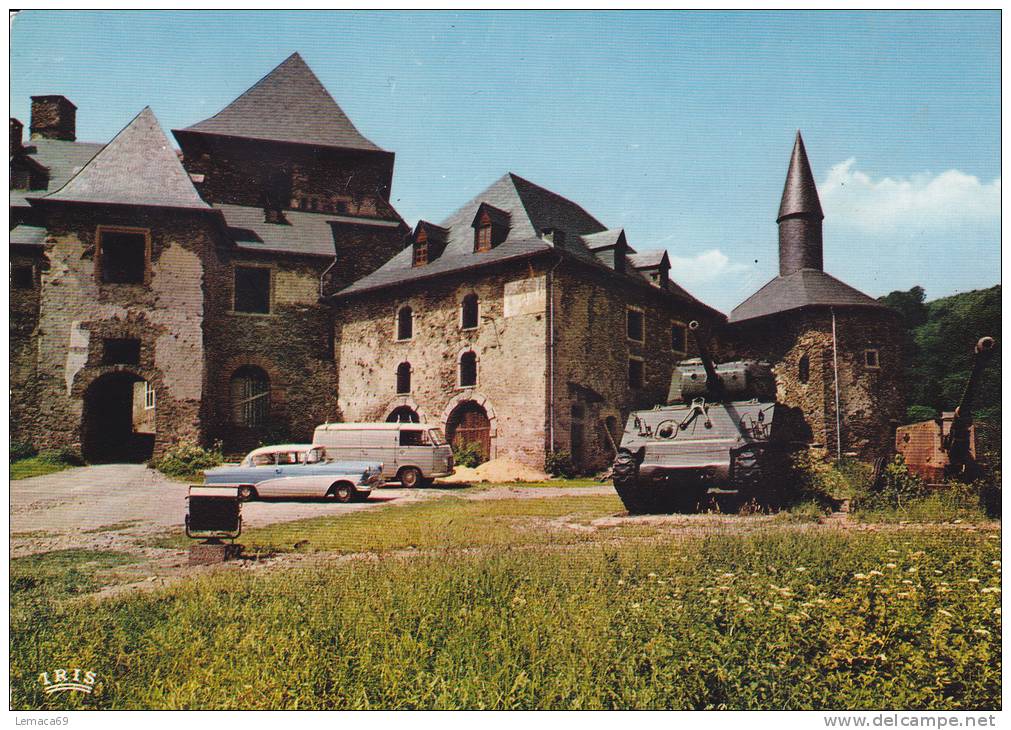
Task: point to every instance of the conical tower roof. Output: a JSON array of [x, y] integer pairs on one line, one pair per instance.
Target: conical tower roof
[[287, 105], [800, 194], [138, 167]]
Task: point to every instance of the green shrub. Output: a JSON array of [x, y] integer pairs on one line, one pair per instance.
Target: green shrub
[[22, 450], [559, 464], [62, 456], [467, 454], [815, 480], [898, 489], [915, 414], [185, 459]]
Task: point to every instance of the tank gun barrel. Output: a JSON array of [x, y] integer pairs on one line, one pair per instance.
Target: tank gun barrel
[[714, 385], [983, 351]]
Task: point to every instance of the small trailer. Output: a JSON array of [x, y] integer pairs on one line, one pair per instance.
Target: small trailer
[[213, 514]]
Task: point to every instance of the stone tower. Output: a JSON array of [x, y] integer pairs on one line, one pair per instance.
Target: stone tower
[[835, 350]]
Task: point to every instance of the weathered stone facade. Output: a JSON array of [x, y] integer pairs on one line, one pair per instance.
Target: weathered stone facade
[[78, 313], [510, 343], [870, 397]]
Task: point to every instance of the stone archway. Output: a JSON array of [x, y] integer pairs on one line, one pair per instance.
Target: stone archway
[[468, 425], [117, 423], [403, 414]]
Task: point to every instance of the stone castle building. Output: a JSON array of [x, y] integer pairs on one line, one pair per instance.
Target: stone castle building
[[259, 282]]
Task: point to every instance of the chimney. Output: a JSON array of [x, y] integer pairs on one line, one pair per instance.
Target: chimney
[[800, 217], [53, 117], [17, 130]]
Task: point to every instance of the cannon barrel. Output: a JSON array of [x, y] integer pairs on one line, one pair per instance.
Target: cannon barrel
[[963, 412], [713, 383]]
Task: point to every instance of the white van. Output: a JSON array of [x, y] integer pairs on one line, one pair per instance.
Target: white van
[[411, 453]]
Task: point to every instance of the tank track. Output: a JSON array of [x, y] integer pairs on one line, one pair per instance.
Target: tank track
[[758, 474], [639, 499]]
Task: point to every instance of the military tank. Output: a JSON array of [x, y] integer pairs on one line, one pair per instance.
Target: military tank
[[721, 432]]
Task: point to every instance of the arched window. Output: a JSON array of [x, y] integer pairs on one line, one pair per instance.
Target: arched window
[[468, 312], [403, 414], [468, 369], [403, 378], [250, 397], [405, 323], [804, 369]]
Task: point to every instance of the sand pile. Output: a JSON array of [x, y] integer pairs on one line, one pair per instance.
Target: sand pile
[[498, 470]]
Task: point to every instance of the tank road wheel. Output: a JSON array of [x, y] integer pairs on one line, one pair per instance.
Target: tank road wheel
[[757, 475], [410, 477], [625, 476], [342, 492]]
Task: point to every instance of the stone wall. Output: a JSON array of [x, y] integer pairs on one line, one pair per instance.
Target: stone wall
[[22, 322], [77, 312], [592, 353], [870, 399], [292, 345], [509, 342]]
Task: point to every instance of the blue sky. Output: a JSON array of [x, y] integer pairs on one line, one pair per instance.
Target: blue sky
[[676, 126]]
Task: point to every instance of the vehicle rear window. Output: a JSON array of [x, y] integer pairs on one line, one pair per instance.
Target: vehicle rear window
[[288, 457], [413, 438], [263, 459]]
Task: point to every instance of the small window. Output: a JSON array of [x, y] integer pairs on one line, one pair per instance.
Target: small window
[[120, 351], [577, 411], [122, 257], [149, 400], [482, 238], [679, 338], [413, 438], [468, 312], [468, 369], [403, 378], [871, 359], [405, 323], [804, 369], [635, 373], [23, 277], [421, 250], [635, 325], [250, 394], [252, 289]]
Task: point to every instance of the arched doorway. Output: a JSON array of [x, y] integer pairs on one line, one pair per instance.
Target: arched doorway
[[469, 424], [403, 414], [118, 423]]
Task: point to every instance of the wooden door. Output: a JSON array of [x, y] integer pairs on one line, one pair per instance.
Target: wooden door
[[469, 424]]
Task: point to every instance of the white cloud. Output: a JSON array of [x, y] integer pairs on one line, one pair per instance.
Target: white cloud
[[950, 199], [703, 268]]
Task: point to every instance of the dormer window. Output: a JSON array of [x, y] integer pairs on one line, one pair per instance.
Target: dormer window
[[482, 238], [429, 242], [421, 249], [491, 227]]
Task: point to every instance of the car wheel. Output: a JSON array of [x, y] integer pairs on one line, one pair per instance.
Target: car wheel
[[246, 494], [342, 492], [410, 477]]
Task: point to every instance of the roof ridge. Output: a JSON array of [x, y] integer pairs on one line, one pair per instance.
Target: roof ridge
[[514, 177]]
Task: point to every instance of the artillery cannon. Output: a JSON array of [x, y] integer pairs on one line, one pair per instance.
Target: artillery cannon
[[945, 448], [720, 431]]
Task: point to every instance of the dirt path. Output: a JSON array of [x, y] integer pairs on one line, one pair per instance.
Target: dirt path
[[123, 506]]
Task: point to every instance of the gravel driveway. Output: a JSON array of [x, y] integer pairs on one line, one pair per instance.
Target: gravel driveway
[[118, 506]]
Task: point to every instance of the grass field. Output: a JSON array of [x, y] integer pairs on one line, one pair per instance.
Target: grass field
[[37, 466], [513, 604]]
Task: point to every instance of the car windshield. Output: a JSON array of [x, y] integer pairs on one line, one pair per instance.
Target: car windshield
[[437, 438], [313, 456]]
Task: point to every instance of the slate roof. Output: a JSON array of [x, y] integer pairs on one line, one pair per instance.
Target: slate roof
[[289, 104], [648, 259], [62, 158], [800, 194], [604, 239], [308, 234], [27, 236], [803, 288], [531, 209], [138, 167]]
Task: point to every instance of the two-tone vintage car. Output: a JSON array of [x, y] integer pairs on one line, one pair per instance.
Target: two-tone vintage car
[[297, 470]]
